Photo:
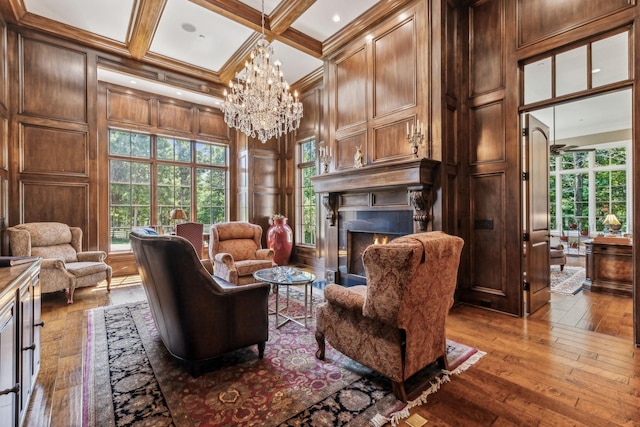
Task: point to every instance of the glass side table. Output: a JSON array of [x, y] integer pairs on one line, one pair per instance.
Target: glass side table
[[288, 276]]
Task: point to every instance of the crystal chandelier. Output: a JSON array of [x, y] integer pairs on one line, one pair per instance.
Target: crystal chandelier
[[259, 103]]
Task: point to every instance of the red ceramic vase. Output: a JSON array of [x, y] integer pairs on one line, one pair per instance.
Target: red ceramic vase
[[280, 239]]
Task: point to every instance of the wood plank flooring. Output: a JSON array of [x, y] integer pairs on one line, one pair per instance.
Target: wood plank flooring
[[551, 369]]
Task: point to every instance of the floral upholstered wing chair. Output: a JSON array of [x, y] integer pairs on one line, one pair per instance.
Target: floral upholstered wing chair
[[65, 266], [395, 324], [235, 249]]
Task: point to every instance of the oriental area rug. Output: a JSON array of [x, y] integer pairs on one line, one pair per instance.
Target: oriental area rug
[[568, 281], [131, 379]]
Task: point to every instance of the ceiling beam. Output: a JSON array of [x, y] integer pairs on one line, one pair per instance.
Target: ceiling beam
[[144, 27], [12, 10], [286, 13], [251, 18]]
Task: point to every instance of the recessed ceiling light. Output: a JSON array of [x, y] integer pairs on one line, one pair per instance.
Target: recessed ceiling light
[[178, 93], [595, 70], [132, 82], [189, 28], [336, 18]]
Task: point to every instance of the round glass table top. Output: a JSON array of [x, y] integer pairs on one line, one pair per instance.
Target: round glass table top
[[283, 276]]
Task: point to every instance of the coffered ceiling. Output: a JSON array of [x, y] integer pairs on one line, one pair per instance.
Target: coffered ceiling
[[206, 39]]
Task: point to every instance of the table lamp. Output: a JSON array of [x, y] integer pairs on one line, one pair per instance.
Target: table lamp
[[612, 223], [178, 214]]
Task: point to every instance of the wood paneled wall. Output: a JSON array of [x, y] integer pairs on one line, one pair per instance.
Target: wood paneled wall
[[53, 150], [377, 86]]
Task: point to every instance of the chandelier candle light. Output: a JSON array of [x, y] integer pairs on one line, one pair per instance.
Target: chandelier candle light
[[325, 158], [259, 103], [416, 137]]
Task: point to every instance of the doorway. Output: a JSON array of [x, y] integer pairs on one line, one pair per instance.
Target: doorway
[[590, 177]]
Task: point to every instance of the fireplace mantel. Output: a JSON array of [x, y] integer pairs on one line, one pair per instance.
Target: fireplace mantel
[[403, 174], [415, 176]]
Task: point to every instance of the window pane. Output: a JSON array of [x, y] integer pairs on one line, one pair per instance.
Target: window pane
[[210, 154], [610, 60], [130, 191], [211, 196], [537, 81], [309, 151], [129, 144], [307, 200], [173, 149], [571, 71]]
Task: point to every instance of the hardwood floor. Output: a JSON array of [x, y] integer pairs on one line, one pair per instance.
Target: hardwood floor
[[548, 369]]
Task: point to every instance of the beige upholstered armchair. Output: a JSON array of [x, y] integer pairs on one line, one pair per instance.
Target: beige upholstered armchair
[[395, 324], [235, 249], [65, 266]]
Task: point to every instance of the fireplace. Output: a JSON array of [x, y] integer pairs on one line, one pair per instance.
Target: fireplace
[[361, 228], [383, 198]]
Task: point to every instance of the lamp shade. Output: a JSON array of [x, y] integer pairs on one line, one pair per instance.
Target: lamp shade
[[178, 214], [611, 219]]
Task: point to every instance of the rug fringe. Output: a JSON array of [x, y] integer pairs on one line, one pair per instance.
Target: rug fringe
[[394, 418]]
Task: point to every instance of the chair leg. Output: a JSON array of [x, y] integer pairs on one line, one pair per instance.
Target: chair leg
[[399, 391], [261, 346], [321, 345], [561, 267], [69, 292], [108, 284], [443, 363]]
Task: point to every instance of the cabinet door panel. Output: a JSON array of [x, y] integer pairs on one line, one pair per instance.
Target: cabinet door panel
[[8, 365]]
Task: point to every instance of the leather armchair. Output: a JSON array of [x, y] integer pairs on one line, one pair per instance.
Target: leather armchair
[[395, 324], [235, 249], [64, 266], [198, 316]]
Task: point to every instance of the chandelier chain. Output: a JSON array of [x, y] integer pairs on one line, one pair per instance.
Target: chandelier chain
[[258, 103]]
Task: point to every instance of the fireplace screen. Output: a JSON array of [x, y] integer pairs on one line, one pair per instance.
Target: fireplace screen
[[357, 242], [358, 230]]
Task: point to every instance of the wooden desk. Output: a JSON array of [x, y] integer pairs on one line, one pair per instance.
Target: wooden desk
[[609, 268]]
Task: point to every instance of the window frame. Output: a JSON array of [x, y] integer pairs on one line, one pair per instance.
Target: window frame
[[155, 161]]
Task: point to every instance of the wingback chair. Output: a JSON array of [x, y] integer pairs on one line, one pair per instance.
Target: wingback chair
[[65, 266], [395, 324], [198, 316], [235, 249]]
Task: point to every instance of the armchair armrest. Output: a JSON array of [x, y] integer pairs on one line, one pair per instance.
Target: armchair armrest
[[92, 256], [224, 267], [224, 259], [53, 264], [265, 254], [350, 298]]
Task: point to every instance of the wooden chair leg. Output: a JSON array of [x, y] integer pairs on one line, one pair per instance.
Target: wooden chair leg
[[261, 346], [321, 345], [109, 284], [443, 363], [399, 391]]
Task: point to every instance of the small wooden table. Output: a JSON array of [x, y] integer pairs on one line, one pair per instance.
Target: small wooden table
[[609, 267], [287, 276]]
